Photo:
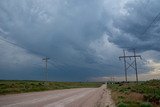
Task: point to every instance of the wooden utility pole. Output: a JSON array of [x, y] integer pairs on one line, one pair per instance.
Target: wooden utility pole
[[46, 70]]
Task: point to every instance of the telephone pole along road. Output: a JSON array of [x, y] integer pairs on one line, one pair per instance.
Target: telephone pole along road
[[79, 97]]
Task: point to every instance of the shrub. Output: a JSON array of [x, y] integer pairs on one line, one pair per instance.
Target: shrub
[[121, 104], [145, 104], [152, 98]]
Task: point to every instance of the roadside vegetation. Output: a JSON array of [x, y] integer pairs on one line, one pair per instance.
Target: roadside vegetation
[[131, 94], [10, 87]]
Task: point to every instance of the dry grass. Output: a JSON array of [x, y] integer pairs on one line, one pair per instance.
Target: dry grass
[[131, 97], [134, 98], [134, 95]]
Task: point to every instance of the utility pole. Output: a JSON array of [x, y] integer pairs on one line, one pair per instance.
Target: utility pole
[[46, 70], [125, 64], [125, 69], [133, 64]]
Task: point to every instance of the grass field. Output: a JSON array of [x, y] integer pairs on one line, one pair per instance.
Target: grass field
[[10, 87], [144, 94]]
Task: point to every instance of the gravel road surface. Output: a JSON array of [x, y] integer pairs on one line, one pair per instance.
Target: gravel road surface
[[80, 97]]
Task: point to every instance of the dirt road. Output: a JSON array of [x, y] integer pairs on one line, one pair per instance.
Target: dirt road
[[81, 97]]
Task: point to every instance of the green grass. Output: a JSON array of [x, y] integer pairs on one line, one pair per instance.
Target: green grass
[[147, 93], [10, 87]]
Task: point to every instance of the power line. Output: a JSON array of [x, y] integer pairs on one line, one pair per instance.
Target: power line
[[19, 45], [151, 23], [55, 65], [12, 43]]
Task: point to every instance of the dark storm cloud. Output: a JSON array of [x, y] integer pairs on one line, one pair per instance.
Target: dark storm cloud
[[53, 26], [61, 30], [74, 34], [133, 28]]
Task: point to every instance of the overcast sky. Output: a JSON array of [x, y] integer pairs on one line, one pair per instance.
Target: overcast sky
[[82, 38]]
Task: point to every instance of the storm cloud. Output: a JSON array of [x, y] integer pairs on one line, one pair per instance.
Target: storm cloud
[[136, 25], [83, 39]]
